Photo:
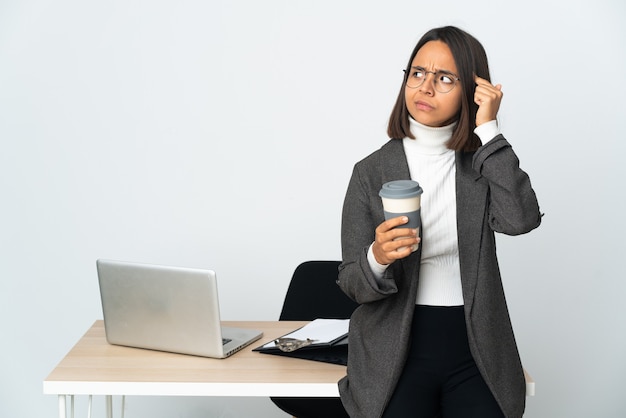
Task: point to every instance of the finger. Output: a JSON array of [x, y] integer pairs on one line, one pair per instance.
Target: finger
[[482, 82], [390, 224], [398, 233], [484, 85], [491, 93], [402, 252], [489, 89], [406, 241], [383, 239], [395, 250], [403, 247]]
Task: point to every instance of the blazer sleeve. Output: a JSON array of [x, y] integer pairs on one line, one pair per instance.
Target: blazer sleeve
[[513, 206], [360, 217]]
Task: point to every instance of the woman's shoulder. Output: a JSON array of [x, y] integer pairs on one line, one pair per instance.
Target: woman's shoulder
[[390, 148]]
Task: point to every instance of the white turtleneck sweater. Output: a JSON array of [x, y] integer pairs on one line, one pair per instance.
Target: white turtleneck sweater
[[432, 165]]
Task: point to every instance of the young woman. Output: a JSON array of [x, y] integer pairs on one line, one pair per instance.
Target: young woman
[[432, 335]]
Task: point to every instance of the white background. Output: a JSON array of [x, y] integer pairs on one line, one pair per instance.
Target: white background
[[221, 134]]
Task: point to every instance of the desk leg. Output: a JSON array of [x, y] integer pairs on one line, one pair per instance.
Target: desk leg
[[62, 411], [63, 406], [109, 402]]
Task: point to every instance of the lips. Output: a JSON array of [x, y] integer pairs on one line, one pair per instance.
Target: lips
[[423, 105]]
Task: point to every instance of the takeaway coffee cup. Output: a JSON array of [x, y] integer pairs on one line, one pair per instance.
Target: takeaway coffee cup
[[402, 198]]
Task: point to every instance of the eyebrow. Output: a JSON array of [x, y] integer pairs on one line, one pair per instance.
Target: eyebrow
[[417, 67]]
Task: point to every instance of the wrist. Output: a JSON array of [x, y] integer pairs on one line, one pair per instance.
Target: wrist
[[487, 131], [377, 268]]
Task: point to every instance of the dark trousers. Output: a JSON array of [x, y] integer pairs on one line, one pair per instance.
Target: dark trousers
[[440, 378], [312, 407]]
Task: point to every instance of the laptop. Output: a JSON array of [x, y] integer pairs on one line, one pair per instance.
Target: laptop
[[164, 308]]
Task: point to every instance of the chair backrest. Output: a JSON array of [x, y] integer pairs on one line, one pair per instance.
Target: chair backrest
[[314, 293]]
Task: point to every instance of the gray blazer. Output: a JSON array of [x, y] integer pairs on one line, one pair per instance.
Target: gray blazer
[[493, 194]]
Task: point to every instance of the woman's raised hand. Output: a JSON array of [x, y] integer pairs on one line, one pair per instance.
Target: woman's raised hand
[[488, 98]]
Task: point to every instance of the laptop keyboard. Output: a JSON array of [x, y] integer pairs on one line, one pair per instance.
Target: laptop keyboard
[[225, 341]]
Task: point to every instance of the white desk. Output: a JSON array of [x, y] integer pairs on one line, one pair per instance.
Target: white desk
[[94, 367]]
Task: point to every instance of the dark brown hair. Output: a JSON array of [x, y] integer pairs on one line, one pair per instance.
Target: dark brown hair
[[471, 59]]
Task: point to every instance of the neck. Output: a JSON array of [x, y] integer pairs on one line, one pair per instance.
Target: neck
[[429, 140]]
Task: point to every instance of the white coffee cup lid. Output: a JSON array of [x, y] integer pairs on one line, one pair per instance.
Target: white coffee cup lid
[[400, 189]]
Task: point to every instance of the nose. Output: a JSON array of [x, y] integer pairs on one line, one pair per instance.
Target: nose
[[428, 86]]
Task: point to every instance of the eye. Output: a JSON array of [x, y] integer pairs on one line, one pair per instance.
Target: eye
[[445, 78], [418, 73]]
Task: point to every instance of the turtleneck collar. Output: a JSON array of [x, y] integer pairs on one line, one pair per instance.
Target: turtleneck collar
[[429, 140]]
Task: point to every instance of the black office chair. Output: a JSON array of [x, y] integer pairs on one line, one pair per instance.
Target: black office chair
[[314, 293]]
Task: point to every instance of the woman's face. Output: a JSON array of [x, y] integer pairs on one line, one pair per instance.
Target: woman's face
[[425, 103]]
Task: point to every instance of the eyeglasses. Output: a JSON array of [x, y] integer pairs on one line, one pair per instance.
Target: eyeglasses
[[444, 80]]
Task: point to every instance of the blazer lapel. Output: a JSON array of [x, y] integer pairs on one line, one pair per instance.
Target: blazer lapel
[[393, 163], [471, 200]]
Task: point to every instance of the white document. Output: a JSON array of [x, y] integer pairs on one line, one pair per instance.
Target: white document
[[320, 330]]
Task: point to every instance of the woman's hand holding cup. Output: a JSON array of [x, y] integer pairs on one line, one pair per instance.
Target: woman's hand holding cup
[[397, 236], [393, 242]]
